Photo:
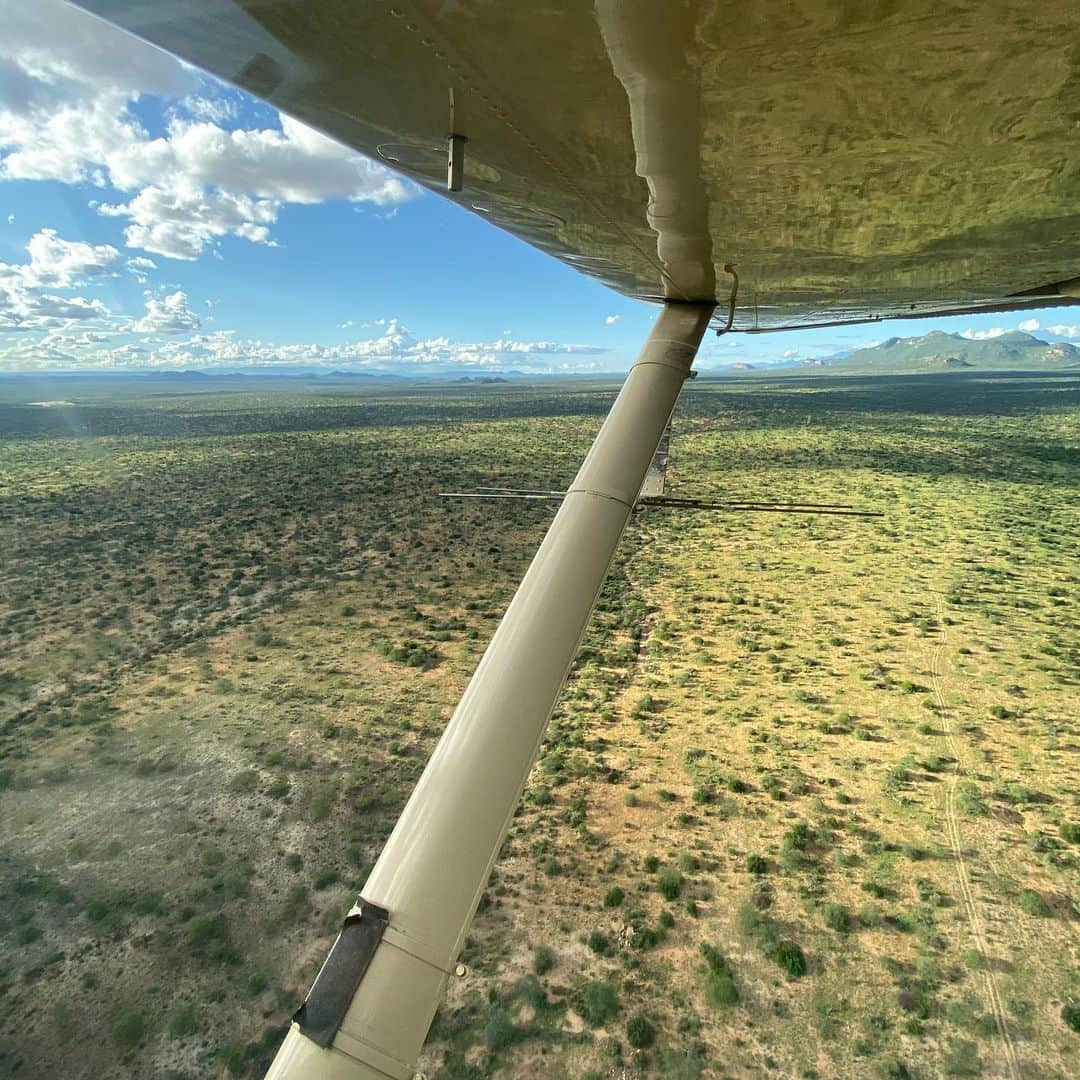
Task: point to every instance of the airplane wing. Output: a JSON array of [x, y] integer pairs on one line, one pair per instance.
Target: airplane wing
[[849, 161]]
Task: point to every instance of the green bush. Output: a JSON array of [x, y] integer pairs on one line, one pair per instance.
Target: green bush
[[962, 1059], [640, 1033], [1070, 832], [790, 957], [325, 877], [1033, 903], [1070, 1013], [129, 1028], [596, 1002], [651, 864], [670, 882], [614, 896], [500, 1031], [543, 959], [837, 918], [720, 988], [757, 864], [600, 943], [183, 1021], [969, 799]]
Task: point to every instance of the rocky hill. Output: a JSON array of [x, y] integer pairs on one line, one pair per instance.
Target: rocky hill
[[938, 351]]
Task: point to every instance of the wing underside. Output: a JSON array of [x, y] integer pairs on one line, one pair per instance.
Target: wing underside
[[852, 161]]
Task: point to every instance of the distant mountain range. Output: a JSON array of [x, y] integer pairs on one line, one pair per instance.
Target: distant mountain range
[[937, 351]]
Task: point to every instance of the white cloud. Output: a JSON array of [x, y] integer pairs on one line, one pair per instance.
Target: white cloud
[[395, 349], [55, 261], [27, 297], [66, 91], [11, 219], [178, 221], [1060, 330], [41, 311], [346, 324], [1029, 326], [611, 320], [982, 335], [169, 315], [140, 267], [216, 109], [791, 353]]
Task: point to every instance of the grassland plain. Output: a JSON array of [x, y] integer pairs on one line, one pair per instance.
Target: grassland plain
[[810, 805]]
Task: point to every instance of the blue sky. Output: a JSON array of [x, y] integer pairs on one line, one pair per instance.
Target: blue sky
[[151, 217]]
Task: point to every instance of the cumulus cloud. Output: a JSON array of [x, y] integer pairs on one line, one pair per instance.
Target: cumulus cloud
[[67, 87], [1061, 330], [395, 349], [55, 261], [1029, 326], [982, 335], [611, 320], [168, 315], [346, 324], [27, 297]]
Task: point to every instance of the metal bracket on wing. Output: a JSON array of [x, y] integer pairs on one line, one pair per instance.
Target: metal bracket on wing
[[330, 996]]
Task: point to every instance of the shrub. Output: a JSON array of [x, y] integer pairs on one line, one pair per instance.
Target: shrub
[[325, 877], [869, 916], [500, 1031], [639, 1032], [1033, 903], [670, 883], [837, 918], [651, 864], [596, 1001], [183, 1021], [279, 787], [1070, 832], [969, 800], [129, 1028], [756, 864], [790, 957], [614, 896], [1070, 1013], [600, 943], [204, 930], [962, 1059], [797, 837], [720, 988], [543, 959]]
